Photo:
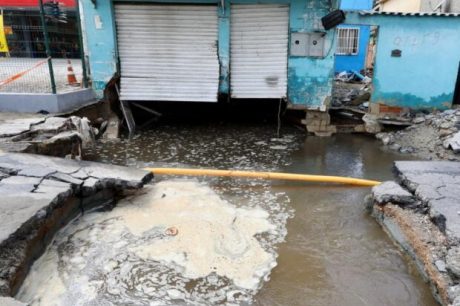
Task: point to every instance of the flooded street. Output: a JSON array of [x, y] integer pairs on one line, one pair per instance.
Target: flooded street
[[328, 250]]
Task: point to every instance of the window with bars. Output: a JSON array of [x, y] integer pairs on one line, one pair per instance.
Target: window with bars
[[348, 41]]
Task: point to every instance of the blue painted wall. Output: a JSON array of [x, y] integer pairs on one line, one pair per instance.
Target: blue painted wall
[[424, 76], [358, 61], [309, 79], [350, 5], [100, 42]]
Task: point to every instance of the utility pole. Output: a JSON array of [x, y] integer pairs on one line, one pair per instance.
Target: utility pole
[[47, 46]]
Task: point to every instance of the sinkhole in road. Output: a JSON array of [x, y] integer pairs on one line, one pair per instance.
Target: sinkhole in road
[[233, 242]]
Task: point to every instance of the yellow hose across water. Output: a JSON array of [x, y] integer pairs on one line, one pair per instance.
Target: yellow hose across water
[[264, 175]]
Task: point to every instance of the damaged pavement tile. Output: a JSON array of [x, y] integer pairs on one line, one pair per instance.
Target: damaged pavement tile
[[391, 192]]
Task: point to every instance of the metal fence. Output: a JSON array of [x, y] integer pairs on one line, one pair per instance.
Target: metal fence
[[34, 38]]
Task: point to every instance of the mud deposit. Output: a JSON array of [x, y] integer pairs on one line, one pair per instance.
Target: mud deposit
[[290, 244]]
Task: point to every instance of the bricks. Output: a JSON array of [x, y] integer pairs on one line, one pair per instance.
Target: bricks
[[319, 123]]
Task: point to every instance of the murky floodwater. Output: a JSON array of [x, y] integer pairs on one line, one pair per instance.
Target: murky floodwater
[[328, 250]]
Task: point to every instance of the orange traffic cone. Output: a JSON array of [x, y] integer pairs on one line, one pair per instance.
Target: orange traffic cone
[[71, 79]]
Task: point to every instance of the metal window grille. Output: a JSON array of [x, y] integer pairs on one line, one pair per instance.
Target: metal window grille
[[348, 41]]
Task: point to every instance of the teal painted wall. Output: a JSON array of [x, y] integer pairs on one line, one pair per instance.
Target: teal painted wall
[[424, 76], [309, 79], [354, 62], [100, 42]]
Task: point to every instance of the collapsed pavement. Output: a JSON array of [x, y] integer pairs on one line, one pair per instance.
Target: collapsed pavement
[[42, 194], [433, 136], [421, 213], [55, 136]]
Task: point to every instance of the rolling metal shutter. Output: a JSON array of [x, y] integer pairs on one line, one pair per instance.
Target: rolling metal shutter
[[168, 52], [259, 51]]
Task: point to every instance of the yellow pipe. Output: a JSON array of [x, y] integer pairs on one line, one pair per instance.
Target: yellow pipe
[[264, 175]]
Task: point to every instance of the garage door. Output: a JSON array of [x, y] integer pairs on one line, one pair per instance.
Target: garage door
[[259, 42], [168, 52]]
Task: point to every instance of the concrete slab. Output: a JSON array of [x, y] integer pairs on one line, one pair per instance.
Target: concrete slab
[[52, 124], [437, 184], [17, 209], [391, 192], [17, 126], [454, 142], [40, 194], [8, 301], [48, 136]]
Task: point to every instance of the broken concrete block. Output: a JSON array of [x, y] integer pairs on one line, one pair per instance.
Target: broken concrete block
[[391, 192], [371, 124], [9, 301], [453, 261], [436, 184], [407, 150], [418, 120], [440, 265], [454, 142], [17, 126], [52, 124]]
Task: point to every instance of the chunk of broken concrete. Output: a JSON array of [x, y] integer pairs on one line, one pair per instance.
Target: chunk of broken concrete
[[53, 124], [371, 124], [17, 126], [8, 301], [453, 261], [391, 192], [454, 142], [418, 120]]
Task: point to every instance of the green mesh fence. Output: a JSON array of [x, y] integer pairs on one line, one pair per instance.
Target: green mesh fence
[[25, 69]]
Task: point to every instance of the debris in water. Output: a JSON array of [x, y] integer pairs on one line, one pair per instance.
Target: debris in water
[[172, 231]]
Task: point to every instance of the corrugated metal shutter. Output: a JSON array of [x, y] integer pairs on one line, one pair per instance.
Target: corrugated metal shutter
[[259, 46], [168, 52]]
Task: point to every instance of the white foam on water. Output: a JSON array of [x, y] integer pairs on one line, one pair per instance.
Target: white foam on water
[[213, 236], [222, 253]]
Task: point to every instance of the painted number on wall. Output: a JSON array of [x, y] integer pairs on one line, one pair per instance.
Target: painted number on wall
[[430, 39]]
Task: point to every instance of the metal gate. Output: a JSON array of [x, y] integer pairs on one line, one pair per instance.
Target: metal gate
[[259, 50], [168, 52]]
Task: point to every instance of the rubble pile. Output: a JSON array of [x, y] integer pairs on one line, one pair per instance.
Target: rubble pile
[[433, 136], [352, 90]]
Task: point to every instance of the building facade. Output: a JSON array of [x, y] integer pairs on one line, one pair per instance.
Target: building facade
[[352, 40], [410, 71], [203, 50]]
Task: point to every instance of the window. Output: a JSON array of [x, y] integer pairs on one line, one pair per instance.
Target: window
[[348, 43]]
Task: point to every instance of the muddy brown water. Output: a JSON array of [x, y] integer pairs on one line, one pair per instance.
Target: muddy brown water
[[333, 252]]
